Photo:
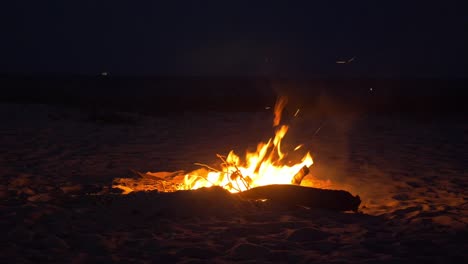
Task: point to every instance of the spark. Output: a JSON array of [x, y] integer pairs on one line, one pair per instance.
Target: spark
[[297, 112], [346, 61], [298, 147], [316, 131]]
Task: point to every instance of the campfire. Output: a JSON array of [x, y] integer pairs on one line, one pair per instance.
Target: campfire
[[262, 167], [263, 174]]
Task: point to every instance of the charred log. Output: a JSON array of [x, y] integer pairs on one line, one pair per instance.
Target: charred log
[[313, 198]]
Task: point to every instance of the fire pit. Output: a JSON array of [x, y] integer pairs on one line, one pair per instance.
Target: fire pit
[[263, 176]]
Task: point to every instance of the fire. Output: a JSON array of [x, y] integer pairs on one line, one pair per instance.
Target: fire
[[262, 167], [267, 165]]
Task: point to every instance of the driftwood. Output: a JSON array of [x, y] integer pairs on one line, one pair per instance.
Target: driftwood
[[295, 195]]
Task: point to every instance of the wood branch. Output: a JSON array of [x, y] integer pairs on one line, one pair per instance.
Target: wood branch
[[297, 179], [313, 198]]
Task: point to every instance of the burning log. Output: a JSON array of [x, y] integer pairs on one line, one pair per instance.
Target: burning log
[[295, 195], [297, 179]]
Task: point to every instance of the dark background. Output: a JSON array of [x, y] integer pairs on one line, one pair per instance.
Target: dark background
[[236, 55]]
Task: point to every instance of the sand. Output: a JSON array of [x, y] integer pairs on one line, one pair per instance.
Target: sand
[[57, 166]]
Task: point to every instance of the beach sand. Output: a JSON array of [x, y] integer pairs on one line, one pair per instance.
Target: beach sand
[[57, 166]]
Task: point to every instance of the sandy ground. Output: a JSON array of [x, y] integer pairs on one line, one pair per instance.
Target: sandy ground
[[57, 165]]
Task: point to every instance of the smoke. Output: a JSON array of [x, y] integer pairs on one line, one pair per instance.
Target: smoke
[[325, 124]]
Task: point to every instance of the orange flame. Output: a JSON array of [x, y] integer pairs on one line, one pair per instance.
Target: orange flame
[[279, 106], [262, 167]]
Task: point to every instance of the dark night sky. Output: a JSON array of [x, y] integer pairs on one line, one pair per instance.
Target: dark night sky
[[391, 39]]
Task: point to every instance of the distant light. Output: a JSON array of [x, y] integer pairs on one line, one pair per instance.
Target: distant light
[[104, 73], [371, 89], [267, 107]]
